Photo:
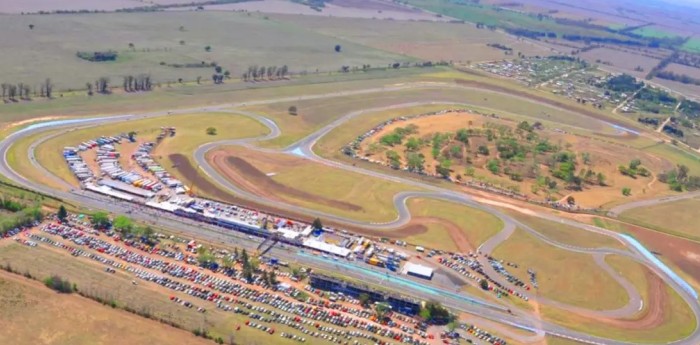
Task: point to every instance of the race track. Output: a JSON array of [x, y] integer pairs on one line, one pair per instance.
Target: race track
[[304, 147]]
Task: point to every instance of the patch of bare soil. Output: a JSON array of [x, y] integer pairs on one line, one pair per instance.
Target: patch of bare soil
[[246, 175]]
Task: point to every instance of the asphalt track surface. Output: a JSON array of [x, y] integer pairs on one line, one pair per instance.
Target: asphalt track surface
[[304, 148]]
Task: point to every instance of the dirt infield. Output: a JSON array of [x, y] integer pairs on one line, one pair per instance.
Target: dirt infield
[[655, 313], [242, 172]]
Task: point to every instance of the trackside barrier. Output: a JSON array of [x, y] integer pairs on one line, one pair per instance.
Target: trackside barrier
[[649, 255]]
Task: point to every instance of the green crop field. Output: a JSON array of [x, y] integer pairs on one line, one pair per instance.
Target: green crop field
[[692, 45], [653, 32], [236, 40]]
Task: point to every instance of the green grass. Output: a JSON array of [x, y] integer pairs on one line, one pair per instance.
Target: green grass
[[189, 95], [566, 234], [562, 275], [19, 161], [191, 133], [652, 32], [692, 45], [237, 40], [677, 217], [634, 272], [476, 226], [677, 156], [492, 15]]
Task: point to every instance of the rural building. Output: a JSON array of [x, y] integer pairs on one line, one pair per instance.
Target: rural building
[[417, 270]]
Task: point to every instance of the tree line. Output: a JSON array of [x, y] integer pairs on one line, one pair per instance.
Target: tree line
[[141, 82], [259, 73], [23, 91]]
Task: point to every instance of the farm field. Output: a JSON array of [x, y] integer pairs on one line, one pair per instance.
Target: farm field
[[309, 184], [428, 41], [677, 217], [158, 42], [30, 310], [19, 6], [449, 226], [692, 45], [654, 32], [620, 61], [562, 275], [683, 69], [191, 133], [337, 9]]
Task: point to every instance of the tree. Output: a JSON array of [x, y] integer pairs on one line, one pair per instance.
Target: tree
[[123, 223], [31, 26], [443, 169], [48, 88], [88, 86], [364, 299], [100, 220], [600, 178], [62, 213], [483, 150], [207, 49], [272, 278], [131, 46], [381, 309], [415, 162], [494, 166], [292, 110], [317, 224], [570, 200], [626, 191], [211, 131], [484, 284], [204, 256], [338, 48]]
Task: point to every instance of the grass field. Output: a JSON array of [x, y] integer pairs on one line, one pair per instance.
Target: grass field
[[237, 40], [692, 45], [30, 315], [315, 113], [430, 41], [635, 273], [476, 226], [566, 234], [19, 162], [190, 127], [653, 32], [678, 323], [562, 275], [676, 217], [313, 185], [190, 95]]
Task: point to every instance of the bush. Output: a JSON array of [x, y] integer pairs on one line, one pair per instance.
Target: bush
[[59, 284], [211, 131]]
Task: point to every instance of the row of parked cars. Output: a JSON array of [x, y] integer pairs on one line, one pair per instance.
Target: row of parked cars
[[462, 264], [213, 288]]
